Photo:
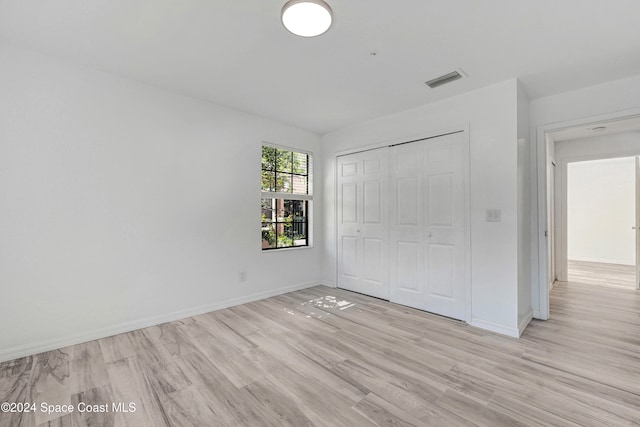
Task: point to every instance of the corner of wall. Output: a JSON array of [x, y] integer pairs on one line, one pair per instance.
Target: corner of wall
[[494, 327], [524, 322], [525, 215]]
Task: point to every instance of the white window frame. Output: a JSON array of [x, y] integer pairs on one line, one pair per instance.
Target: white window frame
[[290, 196]]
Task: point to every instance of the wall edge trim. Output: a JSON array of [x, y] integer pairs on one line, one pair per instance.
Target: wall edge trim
[[525, 322], [494, 327]]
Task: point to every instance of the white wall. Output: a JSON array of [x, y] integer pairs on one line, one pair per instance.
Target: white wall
[[601, 210], [525, 311], [491, 116], [623, 144], [593, 101], [612, 99], [122, 205]]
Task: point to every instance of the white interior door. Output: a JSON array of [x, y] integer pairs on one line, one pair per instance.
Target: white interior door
[[428, 225], [363, 223]]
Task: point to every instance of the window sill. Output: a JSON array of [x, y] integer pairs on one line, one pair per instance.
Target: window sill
[[293, 248]]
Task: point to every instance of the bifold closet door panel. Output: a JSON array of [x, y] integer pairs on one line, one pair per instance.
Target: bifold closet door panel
[[428, 225], [363, 222], [445, 204], [406, 238]]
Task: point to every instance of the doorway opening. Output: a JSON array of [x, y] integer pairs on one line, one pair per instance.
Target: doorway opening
[[601, 221], [572, 145]]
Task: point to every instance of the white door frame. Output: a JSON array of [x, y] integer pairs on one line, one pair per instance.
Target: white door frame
[[542, 286], [417, 137], [637, 224]]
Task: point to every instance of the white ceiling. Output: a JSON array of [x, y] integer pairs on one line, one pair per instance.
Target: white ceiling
[[236, 53]]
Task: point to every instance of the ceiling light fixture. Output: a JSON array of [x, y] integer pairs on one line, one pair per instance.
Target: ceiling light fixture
[[307, 18]]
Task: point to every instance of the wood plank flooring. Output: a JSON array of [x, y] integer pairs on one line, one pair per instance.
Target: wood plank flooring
[[327, 357], [603, 274]]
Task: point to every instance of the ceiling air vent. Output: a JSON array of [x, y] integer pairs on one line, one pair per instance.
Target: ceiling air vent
[[443, 80]]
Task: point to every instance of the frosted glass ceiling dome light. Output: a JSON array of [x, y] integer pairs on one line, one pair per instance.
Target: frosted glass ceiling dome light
[[307, 18]]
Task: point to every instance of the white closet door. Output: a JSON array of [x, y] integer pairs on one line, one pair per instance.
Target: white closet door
[[363, 223], [407, 223], [428, 225]]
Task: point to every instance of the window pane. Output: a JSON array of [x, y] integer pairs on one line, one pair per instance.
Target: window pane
[[299, 234], [268, 181], [284, 223], [288, 209], [285, 235], [300, 163], [268, 212], [299, 185], [284, 161], [268, 158], [278, 209], [268, 235], [296, 209], [283, 183], [285, 171]]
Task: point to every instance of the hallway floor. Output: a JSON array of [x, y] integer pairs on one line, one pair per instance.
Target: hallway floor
[[597, 273]]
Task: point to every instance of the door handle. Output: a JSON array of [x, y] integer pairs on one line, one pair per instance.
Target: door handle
[[634, 228]]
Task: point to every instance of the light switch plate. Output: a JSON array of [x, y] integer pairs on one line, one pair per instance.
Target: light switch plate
[[494, 215]]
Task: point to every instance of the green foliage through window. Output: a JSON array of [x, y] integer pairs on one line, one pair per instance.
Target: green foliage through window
[[285, 171]]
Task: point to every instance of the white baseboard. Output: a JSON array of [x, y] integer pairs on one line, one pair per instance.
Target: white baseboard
[[328, 284], [48, 345], [602, 260], [494, 327], [536, 314], [525, 322]]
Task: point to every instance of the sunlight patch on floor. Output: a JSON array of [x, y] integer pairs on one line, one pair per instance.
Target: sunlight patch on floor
[[330, 302]]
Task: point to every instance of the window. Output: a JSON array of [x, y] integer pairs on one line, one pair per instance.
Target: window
[[286, 198]]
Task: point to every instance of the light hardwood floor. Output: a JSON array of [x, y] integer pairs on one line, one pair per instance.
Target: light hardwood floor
[[328, 357], [603, 274]]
